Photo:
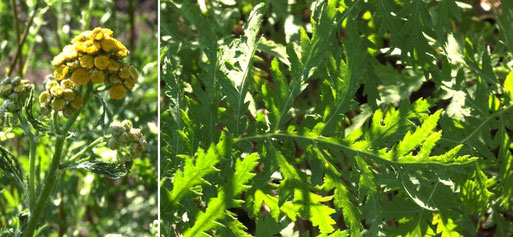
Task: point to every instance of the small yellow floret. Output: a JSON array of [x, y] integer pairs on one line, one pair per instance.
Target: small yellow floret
[[58, 104], [129, 84], [51, 84], [87, 61], [124, 73], [56, 91], [45, 98], [113, 65], [101, 62], [108, 44], [68, 95], [67, 84], [61, 72], [97, 77], [117, 92], [77, 102], [80, 76], [133, 73]]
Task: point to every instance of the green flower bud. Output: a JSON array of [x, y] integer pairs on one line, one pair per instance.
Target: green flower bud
[[58, 104], [135, 134], [68, 95], [127, 124], [116, 128], [124, 138], [68, 112], [45, 110], [113, 143], [5, 89], [16, 81]]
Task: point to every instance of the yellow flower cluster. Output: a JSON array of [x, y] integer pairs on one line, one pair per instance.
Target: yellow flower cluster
[[60, 96], [14, 91], [124, 135], [96, 55]]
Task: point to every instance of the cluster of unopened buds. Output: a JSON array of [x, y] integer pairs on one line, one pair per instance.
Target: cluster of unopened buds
[[13, 91], [60, 96], [126, 137]]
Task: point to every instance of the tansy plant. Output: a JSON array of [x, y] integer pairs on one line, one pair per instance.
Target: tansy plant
[[84, 69]]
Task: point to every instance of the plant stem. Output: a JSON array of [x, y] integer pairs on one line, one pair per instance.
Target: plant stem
[[32, 172], [32, 158], [22, 41], [17, 30], [81, 152], [52, 174]]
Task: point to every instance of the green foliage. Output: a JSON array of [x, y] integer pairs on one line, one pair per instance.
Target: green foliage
[[336, 118], [93, 196]]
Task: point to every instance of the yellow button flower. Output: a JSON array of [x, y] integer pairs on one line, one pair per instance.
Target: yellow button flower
[[51, 84], [58, 104], [58, 60], [113, 65], [133, 73], [108, 44], [67, 84], [129, 84], [107, 32], [68, 95], [56, 91], [124, 73], [117, 92], [87, 61], [97, 76], [88, 47], [45, 98], [101, 62], [84, 36], [80, 76], [97, 34], [61, 72]]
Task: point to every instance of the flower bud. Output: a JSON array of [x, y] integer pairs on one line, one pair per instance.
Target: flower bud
[[67, 84], [68, 95], [45, 98], [58, 104], [113, 143], [127, 124], [68, 112], [51, 84], [135, 134], [124, 138], [116, 128], [56, 91]]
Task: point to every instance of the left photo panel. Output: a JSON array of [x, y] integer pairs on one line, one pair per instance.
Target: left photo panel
[[78, 118]]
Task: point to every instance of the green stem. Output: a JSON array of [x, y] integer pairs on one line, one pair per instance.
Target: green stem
[[82, 152], [17, 30], [32, 172], [52, 174], [32, 158], [22, 41]]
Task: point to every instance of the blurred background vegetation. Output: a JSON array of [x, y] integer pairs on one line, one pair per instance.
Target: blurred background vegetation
[[84, 204]]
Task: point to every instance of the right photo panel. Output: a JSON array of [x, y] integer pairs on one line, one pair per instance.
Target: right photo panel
[[336, 118]]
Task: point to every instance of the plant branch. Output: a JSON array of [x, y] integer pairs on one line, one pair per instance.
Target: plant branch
[[52, 174], [82, 152], [22, 41]]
